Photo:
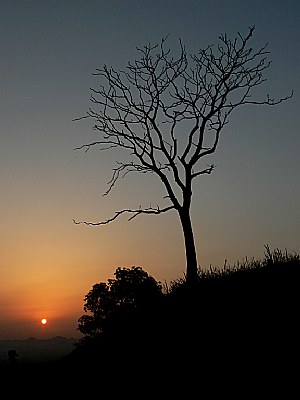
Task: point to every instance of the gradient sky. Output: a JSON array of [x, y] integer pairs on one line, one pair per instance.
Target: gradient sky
[[49, 50]]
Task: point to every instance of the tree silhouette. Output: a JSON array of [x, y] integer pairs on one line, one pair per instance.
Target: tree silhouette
[[168, 112], [121, 303]]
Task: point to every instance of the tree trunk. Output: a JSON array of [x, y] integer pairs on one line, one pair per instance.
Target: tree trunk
[[190, 249]]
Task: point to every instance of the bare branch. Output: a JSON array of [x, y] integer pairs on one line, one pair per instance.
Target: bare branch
[[207, 170], [139, 211], [122, 170]]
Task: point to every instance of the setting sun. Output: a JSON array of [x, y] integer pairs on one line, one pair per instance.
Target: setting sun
[[44, 321]]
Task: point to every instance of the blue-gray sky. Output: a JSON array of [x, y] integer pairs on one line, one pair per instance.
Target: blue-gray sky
[[49, 50]]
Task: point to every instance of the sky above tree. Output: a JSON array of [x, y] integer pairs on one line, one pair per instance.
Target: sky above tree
[[49, 52]]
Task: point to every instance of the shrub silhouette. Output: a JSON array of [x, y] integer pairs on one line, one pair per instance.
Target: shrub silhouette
[[121, 306]]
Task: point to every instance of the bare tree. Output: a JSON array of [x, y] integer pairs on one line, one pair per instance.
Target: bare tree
[[168, 113]]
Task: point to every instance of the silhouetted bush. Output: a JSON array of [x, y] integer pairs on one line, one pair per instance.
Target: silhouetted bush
[[125, 306]]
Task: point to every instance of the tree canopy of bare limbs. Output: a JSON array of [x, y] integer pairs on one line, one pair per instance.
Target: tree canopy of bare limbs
[[168, 113]]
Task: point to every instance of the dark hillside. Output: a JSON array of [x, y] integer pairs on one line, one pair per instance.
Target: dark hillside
[[238, 325], [237, 321], [252, 307]]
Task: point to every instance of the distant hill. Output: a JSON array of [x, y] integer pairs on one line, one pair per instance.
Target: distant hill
[[34, 350]]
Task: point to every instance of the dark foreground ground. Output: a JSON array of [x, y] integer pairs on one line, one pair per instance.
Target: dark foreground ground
[[259, 366], [236, 335]]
